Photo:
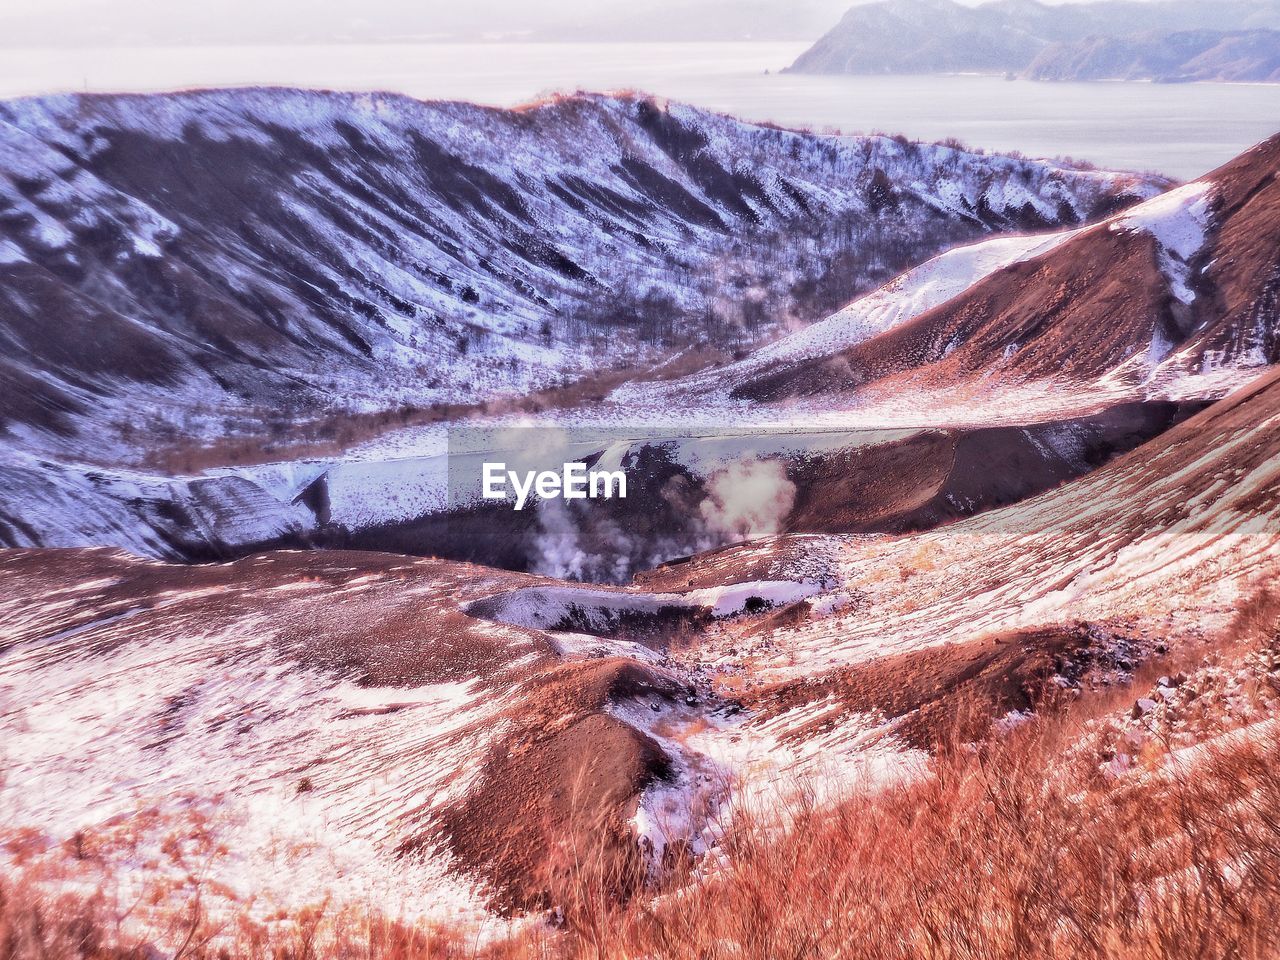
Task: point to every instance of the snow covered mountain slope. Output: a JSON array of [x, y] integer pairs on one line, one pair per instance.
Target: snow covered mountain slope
[[905, 297], [231, 262], [51, 504], [1176, 297], [1156, 550], [339, 726], [299, 733], [1038, 350], [333, 725]]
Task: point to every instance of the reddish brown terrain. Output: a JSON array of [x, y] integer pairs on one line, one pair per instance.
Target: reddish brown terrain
[[1078, 311], [979, 570], [902, 639]]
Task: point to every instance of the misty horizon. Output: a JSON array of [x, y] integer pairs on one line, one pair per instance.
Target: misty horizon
[[73, 23]]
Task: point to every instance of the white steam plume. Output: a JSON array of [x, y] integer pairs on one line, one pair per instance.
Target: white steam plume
[[749, 498]]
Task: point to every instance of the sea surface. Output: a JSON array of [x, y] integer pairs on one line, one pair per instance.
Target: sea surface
[[1183, 130]]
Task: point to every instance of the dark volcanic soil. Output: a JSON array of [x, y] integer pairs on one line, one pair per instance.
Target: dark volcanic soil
[[874, 485], [562, 788], [942, 696], [938, 476]]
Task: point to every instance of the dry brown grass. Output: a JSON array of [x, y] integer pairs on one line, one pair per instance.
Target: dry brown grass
[[35, 923], [1022, 849], [1019, 849]]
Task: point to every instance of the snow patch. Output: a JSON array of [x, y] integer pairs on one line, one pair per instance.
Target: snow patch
[[1179, 221]]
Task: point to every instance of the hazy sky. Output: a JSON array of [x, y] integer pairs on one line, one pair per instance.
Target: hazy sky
[[60, 22]]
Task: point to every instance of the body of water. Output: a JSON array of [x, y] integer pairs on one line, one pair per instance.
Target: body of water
[[1180, 129]]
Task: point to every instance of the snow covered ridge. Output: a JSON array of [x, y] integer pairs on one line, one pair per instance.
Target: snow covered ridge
[[1173, 298], [135, 695], [903, 298], [222, 258]]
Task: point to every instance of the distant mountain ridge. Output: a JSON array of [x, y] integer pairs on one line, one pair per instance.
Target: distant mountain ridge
[[1172, 40], [237, 22], [1251, 56]]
